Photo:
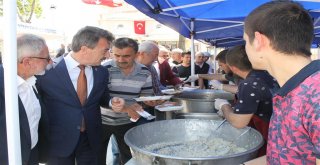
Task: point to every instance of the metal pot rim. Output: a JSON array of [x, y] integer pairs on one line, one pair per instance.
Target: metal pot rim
[[192, 99], [187, 158], [192, 158]]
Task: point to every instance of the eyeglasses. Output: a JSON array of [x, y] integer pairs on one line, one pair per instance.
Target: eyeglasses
[[43, 58]]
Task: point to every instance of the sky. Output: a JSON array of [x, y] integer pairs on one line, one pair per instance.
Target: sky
[[67, 17]]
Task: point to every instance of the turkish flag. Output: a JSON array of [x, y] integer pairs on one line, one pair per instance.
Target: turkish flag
[[109, 3], [139, 27]]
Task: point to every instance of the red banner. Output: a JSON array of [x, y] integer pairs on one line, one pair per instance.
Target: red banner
[[139, 27], [109, 3]]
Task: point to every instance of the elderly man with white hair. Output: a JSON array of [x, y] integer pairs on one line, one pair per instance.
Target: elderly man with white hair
[[32, 59], [167, 76], [176, 57], [201, 67], [148, 54]]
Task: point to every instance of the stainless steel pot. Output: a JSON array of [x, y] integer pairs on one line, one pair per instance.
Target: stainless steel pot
[[200, 100], [167, 131], [177, 115], [205, 116], [165, 115]]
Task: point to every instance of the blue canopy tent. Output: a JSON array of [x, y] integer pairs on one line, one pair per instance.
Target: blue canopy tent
[[225, 41], [219, 22], [210, 19]]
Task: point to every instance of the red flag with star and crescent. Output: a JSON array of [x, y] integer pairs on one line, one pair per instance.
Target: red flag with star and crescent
[[139, 27], [109, 3]]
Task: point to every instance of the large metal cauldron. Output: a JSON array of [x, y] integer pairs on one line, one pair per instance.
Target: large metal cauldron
[[186, 130], [200, 100], [176, 115], [203, 116]]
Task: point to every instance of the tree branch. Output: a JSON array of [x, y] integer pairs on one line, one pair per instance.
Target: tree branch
[[31, 11]]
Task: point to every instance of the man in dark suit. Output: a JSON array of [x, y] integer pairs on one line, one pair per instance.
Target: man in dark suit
[[75, 120], [33, 57]]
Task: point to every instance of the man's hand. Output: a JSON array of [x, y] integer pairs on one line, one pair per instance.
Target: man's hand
[[133, 114], [132, 111], [186, 85], [192, 78], [154, 103], [182, 78], [216, 85], [219, 103], [117, 104], [220, 113], [178, 87], [136, 107]]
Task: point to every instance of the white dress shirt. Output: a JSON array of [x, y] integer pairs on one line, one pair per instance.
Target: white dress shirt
[[156, 66], [31, 105], [74, 71]]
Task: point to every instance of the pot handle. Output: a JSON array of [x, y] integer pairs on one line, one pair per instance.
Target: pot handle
[[155, 161]]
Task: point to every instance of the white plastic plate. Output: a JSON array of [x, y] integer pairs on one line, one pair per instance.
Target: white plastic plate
[[172, 91], [153, 98], [170, 106]]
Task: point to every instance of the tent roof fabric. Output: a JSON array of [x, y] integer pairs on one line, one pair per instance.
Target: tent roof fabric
[[219, 22]]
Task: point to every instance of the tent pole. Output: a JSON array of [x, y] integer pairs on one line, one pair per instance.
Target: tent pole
[[192, 50], [10, 81], [214, 60]]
